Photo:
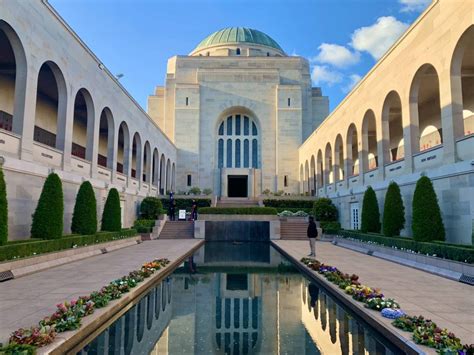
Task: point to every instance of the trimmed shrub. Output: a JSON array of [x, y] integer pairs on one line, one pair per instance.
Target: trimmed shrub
[[186, 203], [144, 225], [84, 217], [393, 211], [330, 227], [288, 204], [427, 224], [292, 209], [26, 249], [151, 208], [370, 212], [48, 216], [462, 253], [239, 210], [324, 210], [111, 217], [3, 210], [195, 190]]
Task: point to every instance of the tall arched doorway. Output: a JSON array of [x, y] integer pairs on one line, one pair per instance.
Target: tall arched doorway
[[238, 154]]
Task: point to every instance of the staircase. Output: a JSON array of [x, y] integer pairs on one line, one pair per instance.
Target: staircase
[[237, 202], [177, 230], [293, 230]]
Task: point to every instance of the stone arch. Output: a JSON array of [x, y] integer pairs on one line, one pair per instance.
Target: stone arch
[[173, 177], [137, 156], [352, 150], [328, 168], [156, 167], [147, 163], [14, 64], [83, 125], [392, 128], [168, 175], [123, 149], [307, 186], [319, 168], [425, 109], [301, 178], [162, 174], [462, 84], [51, 103], [369, 142], [105, 153], [312, 174], [339, 158]]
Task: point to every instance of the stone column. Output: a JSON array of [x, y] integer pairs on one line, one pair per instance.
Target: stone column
[[112, 151], [95, 142], [65, 131], [451, 123], [410, 131]]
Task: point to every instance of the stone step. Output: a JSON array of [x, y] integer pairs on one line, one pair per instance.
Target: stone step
[[177, 230]]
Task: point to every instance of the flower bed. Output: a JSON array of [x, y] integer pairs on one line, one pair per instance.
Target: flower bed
[[424, 331], [239, 210], [68, 315], [286, 213], [36, 247]]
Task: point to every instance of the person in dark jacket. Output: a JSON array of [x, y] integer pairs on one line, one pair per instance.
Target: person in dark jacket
[[194, 211], [312, 234]]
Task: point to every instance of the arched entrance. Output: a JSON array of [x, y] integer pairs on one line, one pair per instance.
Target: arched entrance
[[238, 153]]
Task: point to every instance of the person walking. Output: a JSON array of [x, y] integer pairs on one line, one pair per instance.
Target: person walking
[[312, 233]]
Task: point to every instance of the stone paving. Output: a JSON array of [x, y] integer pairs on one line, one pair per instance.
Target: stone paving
[[448, 303], [26, 300]]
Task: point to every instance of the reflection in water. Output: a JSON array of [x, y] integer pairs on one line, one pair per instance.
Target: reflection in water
[[238, 299]]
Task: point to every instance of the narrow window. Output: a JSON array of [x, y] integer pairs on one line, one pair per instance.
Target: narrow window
[[289, 102], [187, 101], [237, 51], [237, 125], [285, 181], [229, 154], [221, 153], [246, 153], [246, 126], [229, 125], [237, 153], [189, 180], [254, 154], [221, 129]]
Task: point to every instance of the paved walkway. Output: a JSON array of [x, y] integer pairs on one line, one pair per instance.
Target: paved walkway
[[25, 301], [448, 303]]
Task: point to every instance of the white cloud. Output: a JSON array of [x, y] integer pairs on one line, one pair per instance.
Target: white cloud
[[378, 38], [336, 55], [353, 80], [413, 5], [322, 74]]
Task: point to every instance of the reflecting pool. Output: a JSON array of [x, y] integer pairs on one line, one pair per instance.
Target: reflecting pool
[[238, 299]]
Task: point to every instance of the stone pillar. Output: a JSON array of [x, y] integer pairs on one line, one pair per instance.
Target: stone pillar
[[410, 124], [95, 142], [112, 151], [65, 131], [24, 121], [451, 123]]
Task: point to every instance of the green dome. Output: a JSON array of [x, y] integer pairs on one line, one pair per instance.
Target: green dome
[[234, 35]]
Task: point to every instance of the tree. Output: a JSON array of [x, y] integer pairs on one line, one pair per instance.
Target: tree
[[393, 211], [84, 218], [48, 217], [324, 210], [151, 208], [3, 210], [427, 223], [370, 212], [111, 217]]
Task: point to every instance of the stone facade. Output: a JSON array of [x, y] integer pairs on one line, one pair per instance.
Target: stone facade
[[412, 114]]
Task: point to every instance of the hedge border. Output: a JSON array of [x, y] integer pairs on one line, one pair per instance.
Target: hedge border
[[440, 250], [285, 204], [239, 210], [23, 250]]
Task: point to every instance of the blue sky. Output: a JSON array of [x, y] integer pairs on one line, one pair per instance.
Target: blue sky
[[341, 38]]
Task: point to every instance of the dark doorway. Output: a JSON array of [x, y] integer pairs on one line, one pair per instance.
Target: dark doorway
[[237, 185]]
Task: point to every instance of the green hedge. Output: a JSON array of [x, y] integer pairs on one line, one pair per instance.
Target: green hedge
[[442, 250], [112, 215], [84, 217], [324, 210], [151, 208], [330, 227], [293, 209], [22, 250], [186, 203], [144, 225], [3, 210], [239, 210], [370, 212], [287, 204]]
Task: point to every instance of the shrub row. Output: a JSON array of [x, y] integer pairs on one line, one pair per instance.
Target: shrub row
[[330, 227], [287, 204], [144, 225], [442, 250], [22, 250], [239, 210], [294, 209], [186, 203], [3, 210], [151, 208]]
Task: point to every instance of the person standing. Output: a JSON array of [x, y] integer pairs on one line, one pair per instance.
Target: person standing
[[194, 211], [312, 233], [173, 210]]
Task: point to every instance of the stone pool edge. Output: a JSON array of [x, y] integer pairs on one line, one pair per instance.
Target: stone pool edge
[[386, 329], [94, 324]]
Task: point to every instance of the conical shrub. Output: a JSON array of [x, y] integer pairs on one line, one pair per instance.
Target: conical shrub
[[111, 217], [84, 218], [370, 212], [3, 210], [48, 216], [393, 211], [427, 224]]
